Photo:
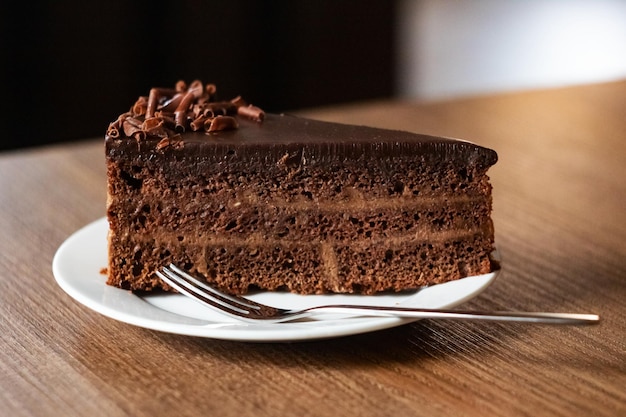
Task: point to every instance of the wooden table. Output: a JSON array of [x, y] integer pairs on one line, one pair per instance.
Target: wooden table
[[560, 217]]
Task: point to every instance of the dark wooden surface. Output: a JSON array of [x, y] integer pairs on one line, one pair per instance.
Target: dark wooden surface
[[559, 201]]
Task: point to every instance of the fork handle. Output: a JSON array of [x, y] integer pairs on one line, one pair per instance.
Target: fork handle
[[529, 317]]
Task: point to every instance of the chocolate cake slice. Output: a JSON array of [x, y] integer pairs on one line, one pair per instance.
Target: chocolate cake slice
[[249, 200]]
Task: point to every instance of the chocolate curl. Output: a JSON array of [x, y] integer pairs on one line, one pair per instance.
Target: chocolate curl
[[210, 91], [251, 112], [113, 131], [154, 97], [197, 88], [131, 120], [181, 86], [223, 107], [180, 115], [154, 127], [198, 123], [132, 129], [153, 101], [117, 124], [168, 119], [175, 142], [131, 126], [172, 104], [152, 123], [196, 111], [248, 110], [140, 107], [163, 143], [220, 123], [239, 102]]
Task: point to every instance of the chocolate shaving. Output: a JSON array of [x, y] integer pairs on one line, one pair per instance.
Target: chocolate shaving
[[221, 108], [167, 112], [219, 123], [198, 123], [113, 131], [168, 119], [154, 127], [132, 128], [153, 101], [238, 101], [171, 104], [181, 86], [174, 142], [155, 96], [210, 89], [163, 143], [251, 112], [140, 107], [120, 119], [180, 114]]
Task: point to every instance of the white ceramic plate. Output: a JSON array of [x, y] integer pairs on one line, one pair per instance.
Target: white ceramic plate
[[79, 260]]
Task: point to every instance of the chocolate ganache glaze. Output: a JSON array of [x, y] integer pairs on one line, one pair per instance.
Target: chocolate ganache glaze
[[189, 121]]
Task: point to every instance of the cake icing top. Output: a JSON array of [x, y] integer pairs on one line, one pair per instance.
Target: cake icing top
[[190, 121]]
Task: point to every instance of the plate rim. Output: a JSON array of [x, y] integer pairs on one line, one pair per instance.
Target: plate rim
[[183, 325]]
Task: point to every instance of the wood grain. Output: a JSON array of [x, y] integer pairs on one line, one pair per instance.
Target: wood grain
[[559, 212]]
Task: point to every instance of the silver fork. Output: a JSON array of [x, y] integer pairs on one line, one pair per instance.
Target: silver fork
[[247, 310]]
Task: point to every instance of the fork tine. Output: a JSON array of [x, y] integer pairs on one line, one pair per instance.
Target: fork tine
[[181, 284], [233, 305], [238, 301]]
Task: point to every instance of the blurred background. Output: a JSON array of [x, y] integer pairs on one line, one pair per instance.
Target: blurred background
[[69, 67]]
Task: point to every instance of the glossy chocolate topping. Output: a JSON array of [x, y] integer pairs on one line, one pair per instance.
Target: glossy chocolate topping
[[222, 131]]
